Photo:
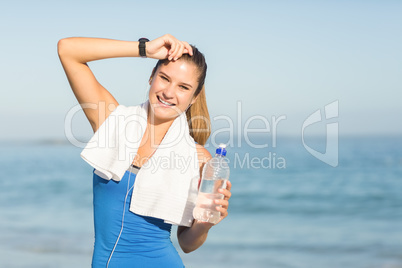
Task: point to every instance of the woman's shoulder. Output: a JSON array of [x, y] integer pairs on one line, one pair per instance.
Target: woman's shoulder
[[203, 154]]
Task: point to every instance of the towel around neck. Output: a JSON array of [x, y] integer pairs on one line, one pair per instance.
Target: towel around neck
[[166, 185]]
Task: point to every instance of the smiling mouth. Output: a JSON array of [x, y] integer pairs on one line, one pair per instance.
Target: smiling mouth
[[164, 102]]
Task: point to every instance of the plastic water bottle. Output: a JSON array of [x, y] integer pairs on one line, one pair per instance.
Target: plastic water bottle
[[214, 176]]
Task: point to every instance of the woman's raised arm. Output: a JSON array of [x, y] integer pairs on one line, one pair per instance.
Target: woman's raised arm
[[74, 54], [95, 100]]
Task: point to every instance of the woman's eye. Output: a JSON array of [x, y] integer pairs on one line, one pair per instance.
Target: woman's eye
[[184, 87], [164, 78]]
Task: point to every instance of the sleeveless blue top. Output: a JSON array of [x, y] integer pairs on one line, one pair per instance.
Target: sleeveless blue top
[[123, 238]]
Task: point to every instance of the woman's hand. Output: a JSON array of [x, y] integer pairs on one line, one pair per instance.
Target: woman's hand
[[167, 47], [191, 238], [223, 209], [221, 206]]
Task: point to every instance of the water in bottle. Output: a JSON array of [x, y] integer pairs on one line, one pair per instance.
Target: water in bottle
[[214, 176]]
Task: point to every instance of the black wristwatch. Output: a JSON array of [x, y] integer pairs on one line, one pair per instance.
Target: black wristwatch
[[141, 47]]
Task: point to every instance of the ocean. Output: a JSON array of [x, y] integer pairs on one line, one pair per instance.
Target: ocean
[[288, 208]]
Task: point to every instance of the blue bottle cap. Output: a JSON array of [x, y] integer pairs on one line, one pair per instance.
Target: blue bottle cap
[[221, 150]]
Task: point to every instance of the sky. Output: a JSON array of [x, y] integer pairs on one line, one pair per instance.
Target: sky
[[266, 60]]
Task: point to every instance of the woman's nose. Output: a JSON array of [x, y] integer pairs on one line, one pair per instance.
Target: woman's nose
[[168, 92]]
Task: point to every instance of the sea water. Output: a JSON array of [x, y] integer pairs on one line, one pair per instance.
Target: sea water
[[302, 214]]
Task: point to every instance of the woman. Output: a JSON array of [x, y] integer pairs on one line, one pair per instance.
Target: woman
[[176, 86]]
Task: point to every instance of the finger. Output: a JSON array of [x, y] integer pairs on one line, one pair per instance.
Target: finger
[[172, 49], [187, 48], [171, 41], [174, 53], [228, 185], [179, 51], [226, 193], [185, 51], [176, 49], [224, 203], [223, 211]]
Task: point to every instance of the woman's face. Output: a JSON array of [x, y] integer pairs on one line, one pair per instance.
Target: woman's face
[[172, 88]]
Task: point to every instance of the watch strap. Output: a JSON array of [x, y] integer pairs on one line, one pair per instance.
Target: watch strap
[[142, 46]]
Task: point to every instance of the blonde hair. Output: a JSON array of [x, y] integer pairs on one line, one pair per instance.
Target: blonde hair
[[198, 118]]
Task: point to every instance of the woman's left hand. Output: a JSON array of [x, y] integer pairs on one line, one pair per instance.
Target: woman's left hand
[[191, 238], [223, 204]]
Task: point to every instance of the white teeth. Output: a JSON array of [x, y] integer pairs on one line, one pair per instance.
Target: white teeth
[[164, 102]]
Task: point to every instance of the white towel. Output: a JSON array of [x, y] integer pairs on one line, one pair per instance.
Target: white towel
[[166, 185]]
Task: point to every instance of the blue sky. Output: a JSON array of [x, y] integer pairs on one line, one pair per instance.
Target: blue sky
[[275, 58]]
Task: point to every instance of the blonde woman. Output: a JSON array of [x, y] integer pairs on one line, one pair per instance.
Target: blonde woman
[[176, 87]]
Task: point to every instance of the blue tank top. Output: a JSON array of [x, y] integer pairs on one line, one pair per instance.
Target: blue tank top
[[143, 241]]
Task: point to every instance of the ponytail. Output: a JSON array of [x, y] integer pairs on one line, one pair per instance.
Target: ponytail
[[198, 119]]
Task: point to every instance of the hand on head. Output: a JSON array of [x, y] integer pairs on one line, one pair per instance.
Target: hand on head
[[167, 47]]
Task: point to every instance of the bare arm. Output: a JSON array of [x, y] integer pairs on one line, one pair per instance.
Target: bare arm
[[191, 238], [76, 52]]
